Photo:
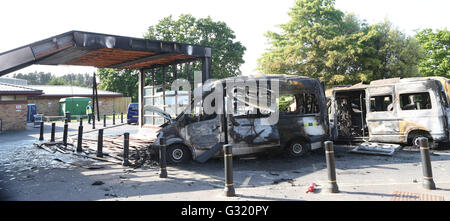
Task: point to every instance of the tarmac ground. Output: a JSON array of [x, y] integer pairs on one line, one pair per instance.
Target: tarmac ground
[[31, 174]]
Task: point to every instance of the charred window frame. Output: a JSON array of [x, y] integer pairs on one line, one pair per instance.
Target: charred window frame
[[415, 101], [444, 99], [381, 103], [246, 110], [299, 104]]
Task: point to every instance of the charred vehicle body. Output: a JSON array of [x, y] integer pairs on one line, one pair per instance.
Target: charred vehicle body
[[391, 111], [302, 123]]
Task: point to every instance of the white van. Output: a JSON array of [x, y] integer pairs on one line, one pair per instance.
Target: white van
[[391, 111]]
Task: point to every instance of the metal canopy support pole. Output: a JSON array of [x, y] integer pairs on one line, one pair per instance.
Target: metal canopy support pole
[[164, 87], [206, 68], [175, 77], [153, 95], [189, 73], [141, 97]]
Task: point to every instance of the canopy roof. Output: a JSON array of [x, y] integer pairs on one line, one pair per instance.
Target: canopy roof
[[100, 50]]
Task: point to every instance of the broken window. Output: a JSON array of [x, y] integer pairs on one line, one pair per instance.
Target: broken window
[[307, 103], [287, 103], [304, 103], [381, 103], [415, 101]]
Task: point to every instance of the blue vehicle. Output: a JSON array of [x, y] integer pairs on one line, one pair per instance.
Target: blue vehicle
[[133, 113], [31, 111]]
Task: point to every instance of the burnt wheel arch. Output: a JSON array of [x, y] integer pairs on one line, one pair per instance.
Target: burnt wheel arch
[[415, 134]]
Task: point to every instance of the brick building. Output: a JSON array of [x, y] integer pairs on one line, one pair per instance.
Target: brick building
[[13, 106], [48, 102]]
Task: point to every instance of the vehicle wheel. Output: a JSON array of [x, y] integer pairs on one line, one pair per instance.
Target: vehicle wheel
[[415, 140], [178, 154], [297, 148]]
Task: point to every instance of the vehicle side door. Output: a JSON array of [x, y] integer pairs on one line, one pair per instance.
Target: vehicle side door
[[381, 116]]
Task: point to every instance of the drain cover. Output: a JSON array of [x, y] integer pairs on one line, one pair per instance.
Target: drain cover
[[407, 196]]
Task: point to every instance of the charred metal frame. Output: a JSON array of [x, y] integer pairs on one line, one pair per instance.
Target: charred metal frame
[[108, 51]]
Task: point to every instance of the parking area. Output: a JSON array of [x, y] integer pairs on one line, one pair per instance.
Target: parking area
[[28, 173]]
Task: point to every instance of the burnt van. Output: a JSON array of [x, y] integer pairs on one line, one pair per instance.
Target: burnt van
[[302, 123], [397, 111]]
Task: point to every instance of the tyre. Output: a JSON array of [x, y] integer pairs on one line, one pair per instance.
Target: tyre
[[297, 148], [178, 153], [415, 140]]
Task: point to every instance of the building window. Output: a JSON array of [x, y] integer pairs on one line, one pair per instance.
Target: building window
[[13, 98], [8, 98]]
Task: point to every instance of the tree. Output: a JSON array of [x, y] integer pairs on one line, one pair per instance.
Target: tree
[[436, 45], [322, 42], [305, 41], [227, 54], [57, 81], [122, 81]]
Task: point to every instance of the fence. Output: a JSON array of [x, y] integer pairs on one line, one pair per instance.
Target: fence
[[171, 102], [121, 104]]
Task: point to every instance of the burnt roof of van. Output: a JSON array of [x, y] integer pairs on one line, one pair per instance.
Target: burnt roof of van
[[283, 77]]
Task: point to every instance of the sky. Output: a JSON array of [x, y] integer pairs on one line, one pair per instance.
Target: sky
[[24, 22]]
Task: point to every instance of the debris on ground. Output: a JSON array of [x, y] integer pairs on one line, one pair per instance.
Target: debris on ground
[[139, 153], [97, 183], [377, 148], [311, 188], [278, 181]]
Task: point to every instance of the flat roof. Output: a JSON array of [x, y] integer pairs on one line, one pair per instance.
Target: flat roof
[[10, 89], [101, 51]]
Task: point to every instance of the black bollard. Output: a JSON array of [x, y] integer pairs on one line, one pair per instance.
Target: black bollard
[[100, 143], [114, 118], [121, 117], [93, 121], [80, 139], [81, 121], [66, 128], [104, 120], [52, 139], [228, 163], [41, 133], [162, 158], [428, 182], [329, 153], [126, 145]]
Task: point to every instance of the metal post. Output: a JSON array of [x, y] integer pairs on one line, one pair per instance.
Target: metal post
[[114, 118], [126, 145], [81, 121], [93, 121], [162, 158], [329, 153], [121, 117], [52, 139], [41, 133], [104, 120], [80, 139], [228, 159], [66, 127], [100, 143], [428, 182]]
